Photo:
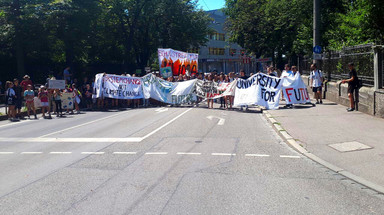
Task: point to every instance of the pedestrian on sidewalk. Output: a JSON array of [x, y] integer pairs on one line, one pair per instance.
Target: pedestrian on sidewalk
[[353, 83], [43, 96], [317, 80], [10, 99], [57, 97], [76, 98], [18, 97], [29, 96]]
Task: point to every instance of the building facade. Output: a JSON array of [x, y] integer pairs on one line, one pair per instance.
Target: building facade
[[220, 55]]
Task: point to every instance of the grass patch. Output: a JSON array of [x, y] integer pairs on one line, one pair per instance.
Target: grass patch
[[277, 123]]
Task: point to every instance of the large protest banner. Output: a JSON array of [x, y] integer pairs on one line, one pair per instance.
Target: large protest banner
[[294, 90], [260, 89], [179, 61], [168, 92], [118, 87], [213, 90]]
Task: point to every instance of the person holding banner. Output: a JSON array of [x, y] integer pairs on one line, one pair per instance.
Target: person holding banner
[[317, 79]]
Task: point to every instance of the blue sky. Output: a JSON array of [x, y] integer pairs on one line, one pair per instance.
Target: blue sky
[[211, 4]]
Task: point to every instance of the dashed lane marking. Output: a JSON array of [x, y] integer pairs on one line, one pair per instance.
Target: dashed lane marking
[[31, 153], [156, 153], [188, 153], [124, 153], [256, 155], [60, 153], [92, 153], [6, 153], [223, 154], [289, 156]]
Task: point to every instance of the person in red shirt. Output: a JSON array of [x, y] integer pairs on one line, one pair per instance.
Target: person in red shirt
[[27, 81], [43, 96]]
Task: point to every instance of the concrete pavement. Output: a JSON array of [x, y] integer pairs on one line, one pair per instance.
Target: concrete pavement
[[350, 141], [184, 162]]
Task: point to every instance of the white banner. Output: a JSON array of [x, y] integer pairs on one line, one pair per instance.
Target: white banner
[[98, 86], [294, 90], [168, 92], [56, 84], [119, 87], [213, 90], [259, 89], [178, 61]]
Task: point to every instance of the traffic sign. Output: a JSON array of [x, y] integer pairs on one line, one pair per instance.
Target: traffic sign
[[317, 49], [317, 56]]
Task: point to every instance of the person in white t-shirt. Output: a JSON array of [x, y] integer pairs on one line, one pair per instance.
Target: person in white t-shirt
[[317, 79]]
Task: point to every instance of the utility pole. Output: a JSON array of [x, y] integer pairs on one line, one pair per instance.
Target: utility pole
[[316, 25]]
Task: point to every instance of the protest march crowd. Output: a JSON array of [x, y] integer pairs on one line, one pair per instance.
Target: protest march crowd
[[107, 91]]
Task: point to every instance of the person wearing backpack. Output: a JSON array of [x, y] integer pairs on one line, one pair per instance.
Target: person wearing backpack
[[317, 80], [10, 99], [353, 84]]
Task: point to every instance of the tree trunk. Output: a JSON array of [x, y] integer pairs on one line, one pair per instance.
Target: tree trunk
[[18, 40]]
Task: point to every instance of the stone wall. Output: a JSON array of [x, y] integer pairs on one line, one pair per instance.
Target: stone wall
[[371, 101]]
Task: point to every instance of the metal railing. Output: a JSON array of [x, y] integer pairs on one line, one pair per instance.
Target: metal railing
[[335, 63]]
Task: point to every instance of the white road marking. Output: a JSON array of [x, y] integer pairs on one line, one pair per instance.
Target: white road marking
[[31, 153], [92, 153], [188, 153], [124, 153], [223, 154], [160, 110], [60, 153], [6, 153], [156, 153], [166, 124], [16, 123], [87, 123], [73, 140], [221, 120], [256, 155], [289, 156]]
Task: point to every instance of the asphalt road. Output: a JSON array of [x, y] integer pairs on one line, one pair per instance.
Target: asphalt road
[[166, 161]]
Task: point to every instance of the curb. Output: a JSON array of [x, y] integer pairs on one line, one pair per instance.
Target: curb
[[288, 139]]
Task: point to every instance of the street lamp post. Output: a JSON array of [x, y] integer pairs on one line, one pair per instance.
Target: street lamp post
[[316, 25]]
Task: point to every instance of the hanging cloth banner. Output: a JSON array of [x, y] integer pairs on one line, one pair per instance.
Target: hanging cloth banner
[[118, 87], [168, 92], [180, 62], [294, 90], [98, 86], [213, 90], [260, 89]]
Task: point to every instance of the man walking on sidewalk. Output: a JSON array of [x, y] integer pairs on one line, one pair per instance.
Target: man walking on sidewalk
[[352, 85], [317, 79]]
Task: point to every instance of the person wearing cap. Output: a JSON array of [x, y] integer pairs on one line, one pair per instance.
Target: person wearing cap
[[29, 95], [25, 82], [43, 96]]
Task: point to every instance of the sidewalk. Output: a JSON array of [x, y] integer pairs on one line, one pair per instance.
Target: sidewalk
[[315, 128]]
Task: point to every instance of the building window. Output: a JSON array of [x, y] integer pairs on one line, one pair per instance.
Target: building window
[[217, 36], [194, 50], [216, 51], [232, 52]]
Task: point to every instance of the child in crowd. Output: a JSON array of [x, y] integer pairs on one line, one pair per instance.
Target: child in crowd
[[29, 95], [43, 96], [57, 97], [76, 98], [88, 96]]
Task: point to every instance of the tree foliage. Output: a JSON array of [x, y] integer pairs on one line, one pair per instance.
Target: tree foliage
[[283, 28], [94, 35]]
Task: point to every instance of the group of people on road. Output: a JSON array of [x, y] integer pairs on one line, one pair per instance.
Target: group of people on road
[[26, 93]]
